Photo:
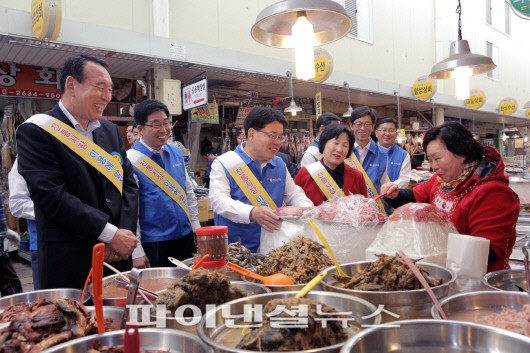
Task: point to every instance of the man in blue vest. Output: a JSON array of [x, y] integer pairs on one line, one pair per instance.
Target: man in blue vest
[[165, 228], [398, 168], [21, 206], [312, 154], [264, 136], [372, 157]]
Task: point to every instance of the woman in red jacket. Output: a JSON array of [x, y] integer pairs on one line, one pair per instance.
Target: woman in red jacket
[[331, 176], [469, 186]]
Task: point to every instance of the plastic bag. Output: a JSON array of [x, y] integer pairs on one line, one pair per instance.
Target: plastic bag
[[419, 229], [289, 230], [349, 224], [355, 210]]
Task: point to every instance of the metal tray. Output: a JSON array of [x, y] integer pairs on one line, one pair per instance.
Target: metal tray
[[435, 336], [172, 341], [29, 297], [213, 334], [411, 304]]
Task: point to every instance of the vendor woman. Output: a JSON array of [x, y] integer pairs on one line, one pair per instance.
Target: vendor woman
[[469, 186], [330, 176]]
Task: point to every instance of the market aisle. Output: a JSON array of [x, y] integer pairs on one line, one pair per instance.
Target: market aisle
[[24, 273]]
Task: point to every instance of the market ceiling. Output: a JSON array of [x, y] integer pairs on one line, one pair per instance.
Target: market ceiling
[[230, 87]]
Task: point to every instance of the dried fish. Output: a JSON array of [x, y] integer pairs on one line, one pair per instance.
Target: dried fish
[[387, 273], [301, 259], [271, 338], [200, 287]]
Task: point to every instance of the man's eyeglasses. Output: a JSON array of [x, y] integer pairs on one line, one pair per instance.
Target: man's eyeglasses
[[387, 131], [157, 125], [366, 125], [272, 136]]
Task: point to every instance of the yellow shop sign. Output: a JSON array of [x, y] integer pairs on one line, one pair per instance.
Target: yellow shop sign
[[507, 106], [323, 65], [476, 99], [424, 88]]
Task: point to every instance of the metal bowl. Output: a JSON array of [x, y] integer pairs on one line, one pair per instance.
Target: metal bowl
[[148, 273], [506, 280], [153, 339], [213, 327], [411, 304], [29, 297], [473, 306], [112, 315], [190, 324], [435, 336]]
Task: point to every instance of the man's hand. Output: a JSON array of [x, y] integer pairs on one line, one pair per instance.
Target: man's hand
[[122, 244], [141, 262], [266, 218], [13, 237], [390, 189]]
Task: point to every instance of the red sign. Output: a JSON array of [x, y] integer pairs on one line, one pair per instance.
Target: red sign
[[29, 81]]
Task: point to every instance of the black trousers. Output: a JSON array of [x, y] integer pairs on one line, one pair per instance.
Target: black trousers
[[158, 252], [9, 281]]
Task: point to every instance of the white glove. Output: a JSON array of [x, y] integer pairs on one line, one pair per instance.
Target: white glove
[[13, 237]]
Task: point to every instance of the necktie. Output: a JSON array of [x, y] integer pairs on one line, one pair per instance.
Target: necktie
[[158, 159]]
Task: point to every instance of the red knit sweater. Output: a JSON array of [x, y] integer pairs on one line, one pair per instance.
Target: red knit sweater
[[480, 206]]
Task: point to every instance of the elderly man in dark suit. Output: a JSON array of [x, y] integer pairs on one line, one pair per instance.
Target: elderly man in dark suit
[[78, 205]]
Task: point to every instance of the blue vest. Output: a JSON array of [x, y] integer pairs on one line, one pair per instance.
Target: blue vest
[[32, 230], [374, 163], [315, 142], [160, 217], [272, 177], [396, 156]]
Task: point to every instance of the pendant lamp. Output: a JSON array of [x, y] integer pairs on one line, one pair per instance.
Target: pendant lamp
[[461, 63], [400, 136], [301, 24], [348, 112], [292, 108]]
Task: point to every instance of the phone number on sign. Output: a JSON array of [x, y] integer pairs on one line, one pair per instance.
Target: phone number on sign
[[27, 93]]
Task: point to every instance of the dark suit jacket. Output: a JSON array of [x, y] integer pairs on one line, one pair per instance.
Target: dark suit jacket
[[73, 202], [353, 184]]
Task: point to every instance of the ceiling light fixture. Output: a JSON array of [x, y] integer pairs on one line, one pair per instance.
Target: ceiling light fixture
[[348, 112], [292, 108], [301, 24], [461, 63]]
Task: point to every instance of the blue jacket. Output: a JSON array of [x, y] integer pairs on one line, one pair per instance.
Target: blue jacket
[[396, 156], [161, 218], [273, 180], [374, 163]]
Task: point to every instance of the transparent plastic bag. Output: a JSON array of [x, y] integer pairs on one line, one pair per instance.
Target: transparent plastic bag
[[289, 230], [349, 224], [419, 229], [355, 210]]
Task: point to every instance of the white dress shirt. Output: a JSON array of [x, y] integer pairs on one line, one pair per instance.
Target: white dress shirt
[[237, 211]]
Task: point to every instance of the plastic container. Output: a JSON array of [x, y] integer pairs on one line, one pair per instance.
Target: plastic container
[[213, 240], [213, 265]]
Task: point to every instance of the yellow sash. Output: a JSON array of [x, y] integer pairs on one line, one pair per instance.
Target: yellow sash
[[160, 177], [324, 180], [372, 191], [106, 164], [246, 180]]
